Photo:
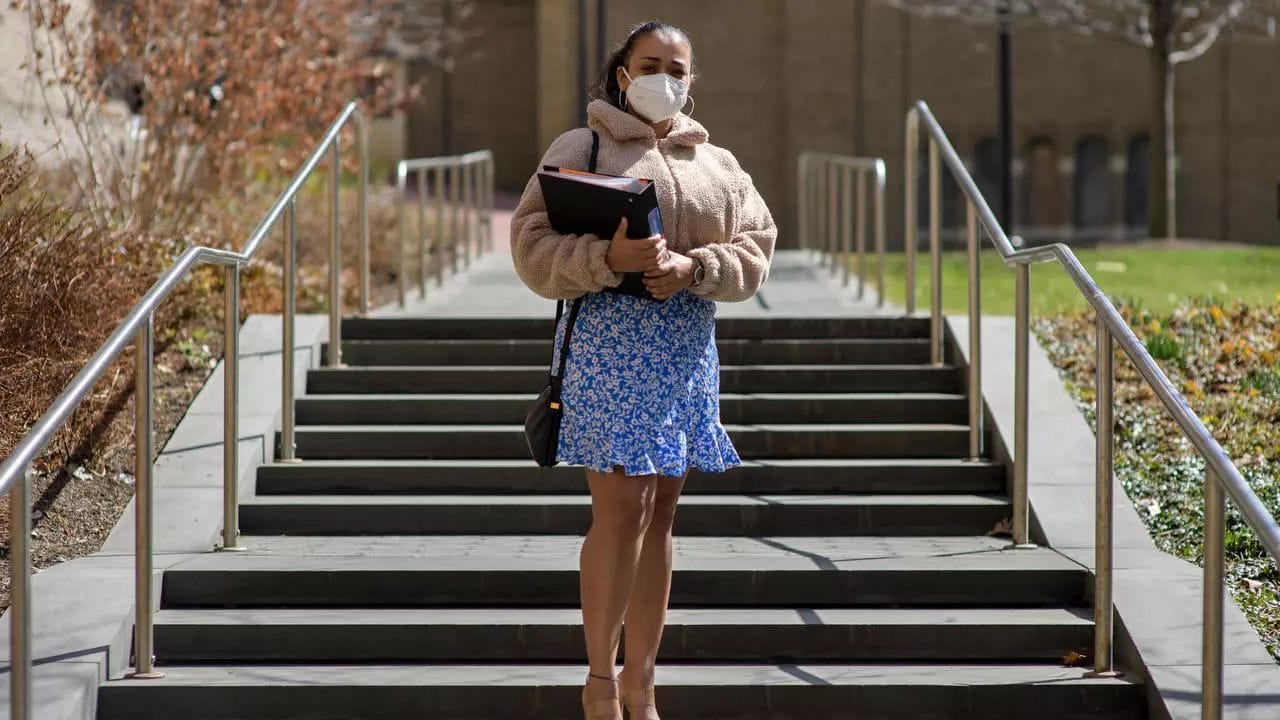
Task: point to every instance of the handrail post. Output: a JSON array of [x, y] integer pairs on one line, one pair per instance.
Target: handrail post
[[802, 221], [881, 179], [437, 239], [1214, 542], [142, 397], [1021, 409], [455, 194], [833, 220], [422, 232], [910, 201], [288, 316], [975, 336], [362, 210], [848, 219], [334, 358], [860, 242], [1103, 612], [935, 252], [20, 597], [231, 412], [402, 188]]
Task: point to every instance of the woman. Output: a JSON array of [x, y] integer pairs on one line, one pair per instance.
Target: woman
[[641, 390]]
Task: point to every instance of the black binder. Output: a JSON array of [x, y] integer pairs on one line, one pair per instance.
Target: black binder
[[578, 203]]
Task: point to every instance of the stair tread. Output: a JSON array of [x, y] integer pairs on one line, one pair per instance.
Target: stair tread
[[787, 367], [762, 427], [673, 675], [559, 553], [347, 617], [459, 397], [686, 501], [428, 464]]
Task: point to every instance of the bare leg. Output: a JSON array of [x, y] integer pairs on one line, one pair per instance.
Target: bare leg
[[647, 609], [621, 508]]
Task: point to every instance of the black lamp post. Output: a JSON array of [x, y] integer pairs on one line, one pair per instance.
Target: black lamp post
[[1005, 71]]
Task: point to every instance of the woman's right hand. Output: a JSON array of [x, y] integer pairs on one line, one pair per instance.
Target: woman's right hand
[[627, 255]]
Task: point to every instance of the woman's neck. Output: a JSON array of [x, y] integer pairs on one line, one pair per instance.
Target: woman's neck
[[660, 129]]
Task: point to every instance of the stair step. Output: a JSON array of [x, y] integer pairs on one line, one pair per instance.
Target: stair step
[[699, 515], [505, 571], [423, 477], [508, 441], [771, 351], [410, 409], [733, 379], [897, 691], [779, 635], [426, 328]]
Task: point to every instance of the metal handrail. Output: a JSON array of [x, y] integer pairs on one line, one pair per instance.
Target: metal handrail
[[463, 184], [1221, 473], [16, 471], [824, 210]]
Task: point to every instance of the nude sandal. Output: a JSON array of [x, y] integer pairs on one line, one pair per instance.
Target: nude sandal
[[641, 704], [606, 709]]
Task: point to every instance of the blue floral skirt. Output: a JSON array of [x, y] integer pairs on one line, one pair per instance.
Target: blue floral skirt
[[642, 387]]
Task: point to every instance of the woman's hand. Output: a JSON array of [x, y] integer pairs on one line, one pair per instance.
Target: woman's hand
[[673, 274], [627, 255]]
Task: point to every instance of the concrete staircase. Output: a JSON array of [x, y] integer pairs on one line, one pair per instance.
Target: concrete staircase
[[417, 564]]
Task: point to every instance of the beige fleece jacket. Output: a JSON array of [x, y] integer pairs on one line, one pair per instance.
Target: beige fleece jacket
[[710, 210]]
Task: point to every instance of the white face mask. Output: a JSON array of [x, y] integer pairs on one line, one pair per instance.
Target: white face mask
[[657, 97]]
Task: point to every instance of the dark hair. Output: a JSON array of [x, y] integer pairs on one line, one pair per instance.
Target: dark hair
[[606, 87]]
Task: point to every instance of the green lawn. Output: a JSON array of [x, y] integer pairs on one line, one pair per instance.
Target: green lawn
[[1157, 278]]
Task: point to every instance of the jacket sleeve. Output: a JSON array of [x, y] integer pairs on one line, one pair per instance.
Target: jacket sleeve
[[735, 269], [560, 267]]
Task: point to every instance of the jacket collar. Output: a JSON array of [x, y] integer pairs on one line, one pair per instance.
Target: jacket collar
[[623, 126]]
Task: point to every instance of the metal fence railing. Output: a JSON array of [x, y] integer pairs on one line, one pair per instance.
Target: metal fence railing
[[1223, 478], [138, 328], [459, 189], [833, 214]]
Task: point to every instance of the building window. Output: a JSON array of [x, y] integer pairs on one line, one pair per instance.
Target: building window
[[1136, 179], [1091, 193]]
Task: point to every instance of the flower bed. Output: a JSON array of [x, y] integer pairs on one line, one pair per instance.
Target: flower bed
[[1226, 360]]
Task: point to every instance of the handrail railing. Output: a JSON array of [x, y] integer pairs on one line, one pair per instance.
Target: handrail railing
[[1221, 473], [15, 471], [826, 184], [464, 185]]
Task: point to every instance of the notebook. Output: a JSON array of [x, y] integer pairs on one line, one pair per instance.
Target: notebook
[[580, 202]]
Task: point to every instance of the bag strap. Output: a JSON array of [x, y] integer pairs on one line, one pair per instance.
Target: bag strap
[[577, 302], [558, 375]]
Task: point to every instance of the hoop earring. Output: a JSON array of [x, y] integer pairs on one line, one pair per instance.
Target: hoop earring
[[695, 107]]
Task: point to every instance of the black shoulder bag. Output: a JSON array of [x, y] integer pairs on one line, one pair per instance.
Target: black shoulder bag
[[542, 424]]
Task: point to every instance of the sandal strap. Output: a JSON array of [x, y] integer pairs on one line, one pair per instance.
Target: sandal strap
[[642, 704], [607, 709]]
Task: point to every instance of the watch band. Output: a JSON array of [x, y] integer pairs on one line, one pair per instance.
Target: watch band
[[699, 272]]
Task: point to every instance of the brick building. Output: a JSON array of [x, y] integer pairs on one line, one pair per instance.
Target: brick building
[[781, 76]]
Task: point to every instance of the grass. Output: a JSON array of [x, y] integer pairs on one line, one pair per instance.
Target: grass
[[1157, 278]]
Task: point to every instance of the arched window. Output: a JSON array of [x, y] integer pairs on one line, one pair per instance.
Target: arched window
[[1041, 194], [1092, 189], [1136, 177]]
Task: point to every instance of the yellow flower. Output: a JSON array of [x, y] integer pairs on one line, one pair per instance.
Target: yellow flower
[[1191, 387], [1153, 326]]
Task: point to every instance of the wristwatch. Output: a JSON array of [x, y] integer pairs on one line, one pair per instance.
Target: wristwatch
[[699, 272]]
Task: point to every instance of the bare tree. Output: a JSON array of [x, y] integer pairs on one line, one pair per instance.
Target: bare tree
[[1174, 31]]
